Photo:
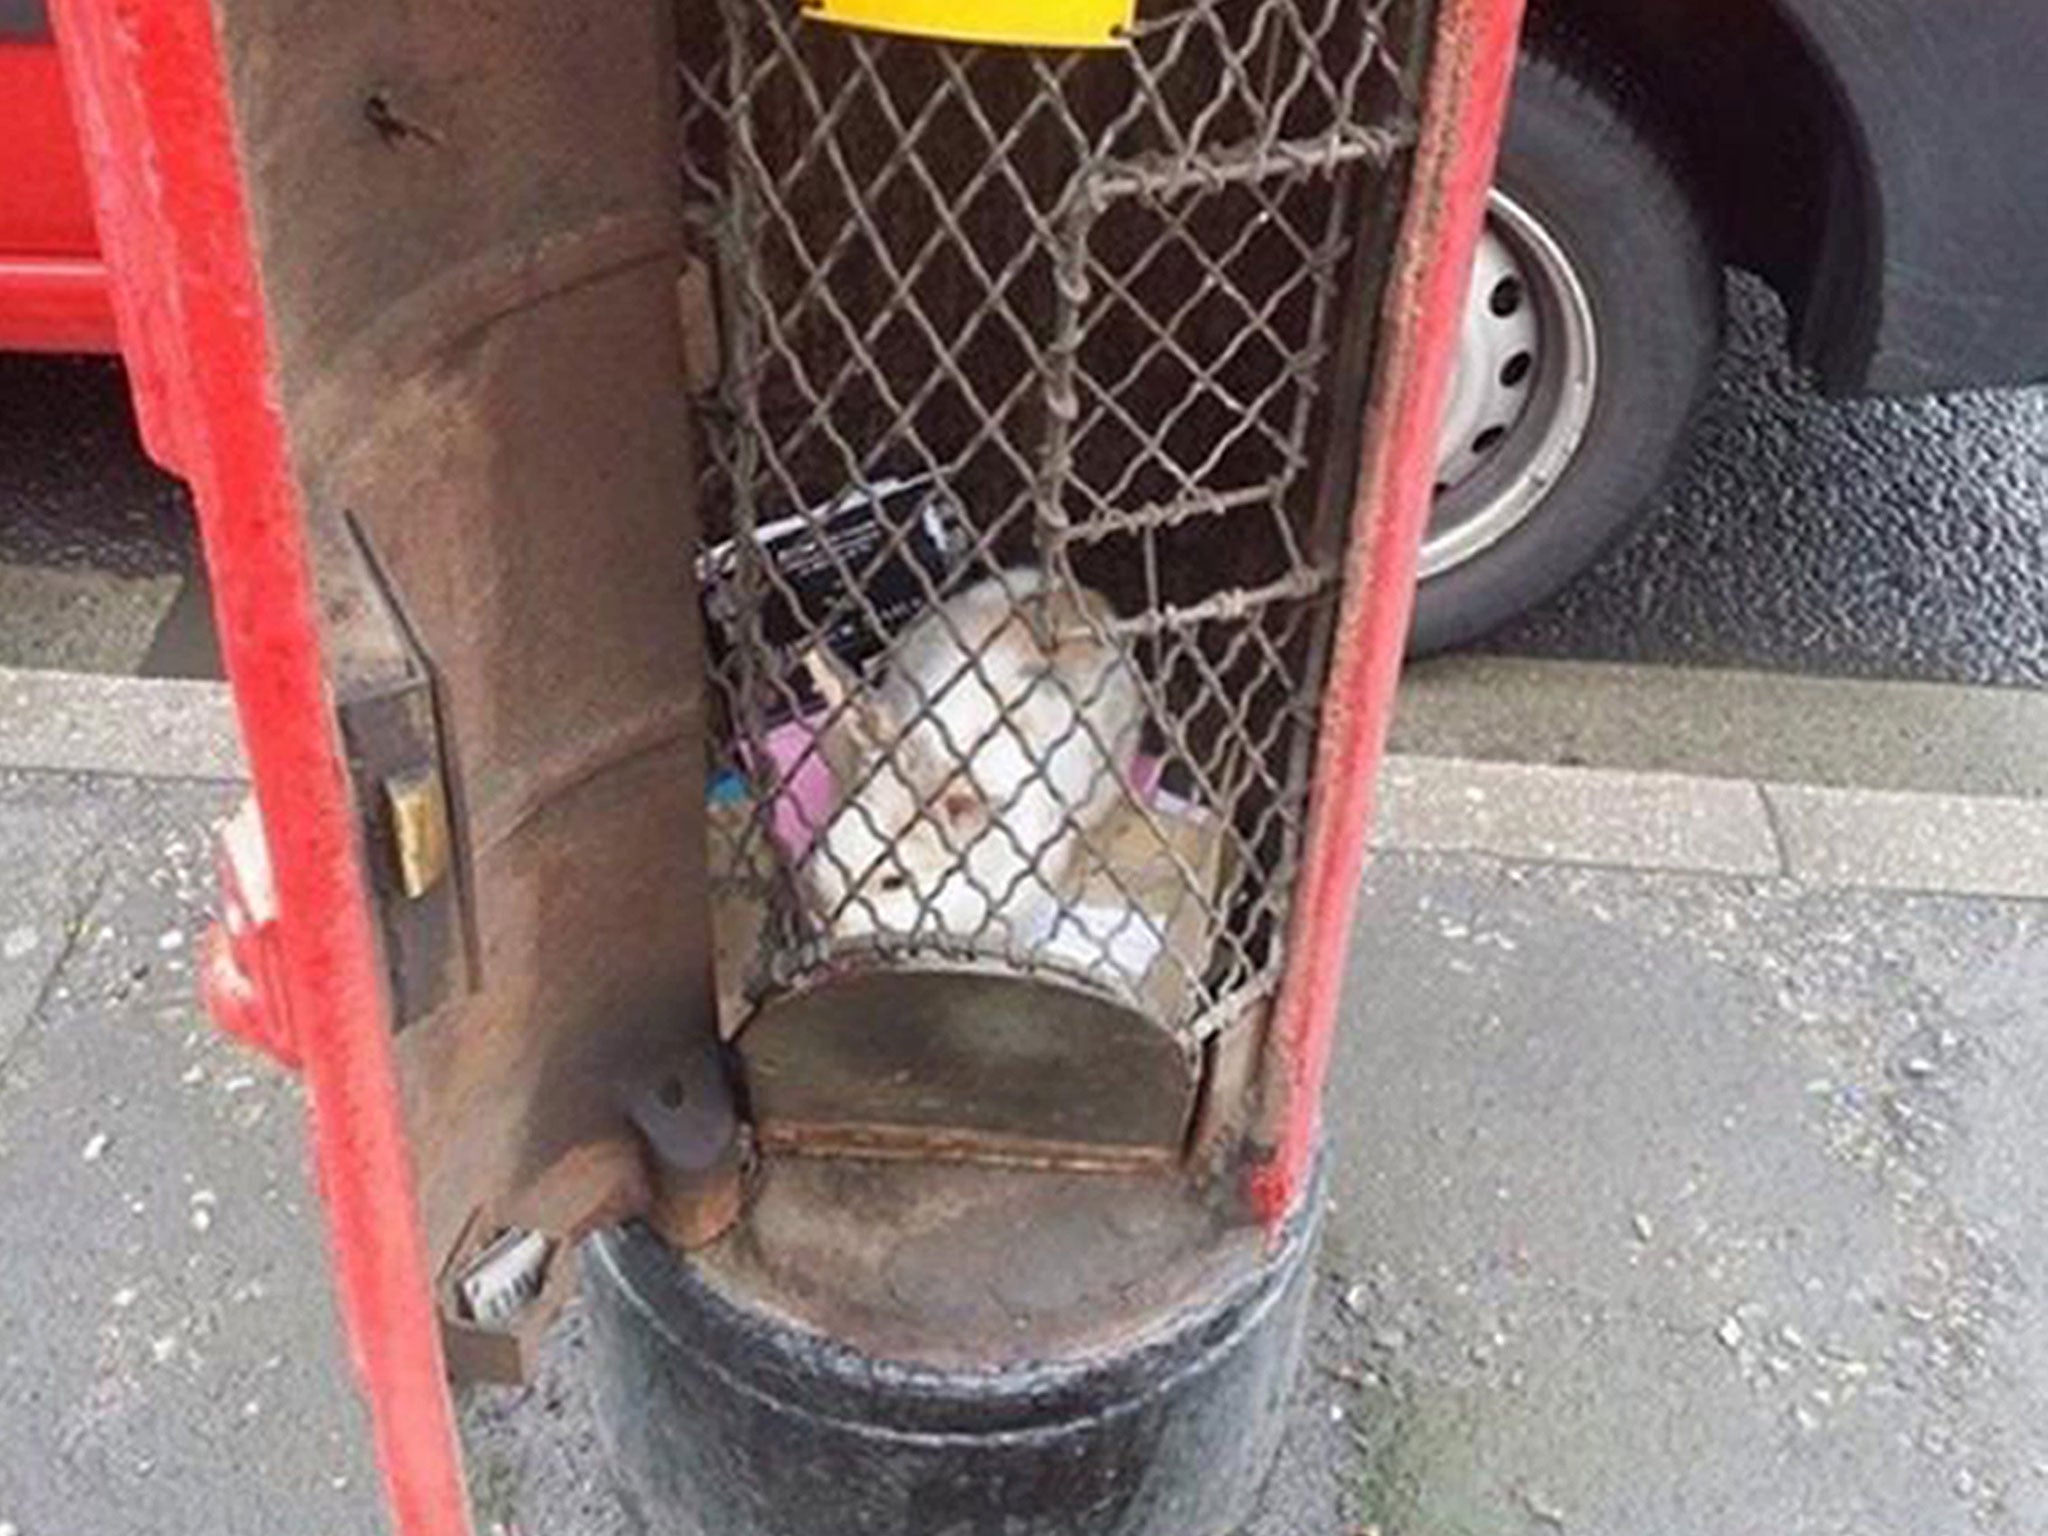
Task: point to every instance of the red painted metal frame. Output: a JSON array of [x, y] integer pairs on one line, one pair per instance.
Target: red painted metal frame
[[147, 82], [53, 286], [1463, 110]]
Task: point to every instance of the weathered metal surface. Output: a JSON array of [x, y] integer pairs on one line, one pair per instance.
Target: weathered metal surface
[[928, 1352], [467, 227], [684, 1120], [472, 308], [500, 1350], [967, 1063]]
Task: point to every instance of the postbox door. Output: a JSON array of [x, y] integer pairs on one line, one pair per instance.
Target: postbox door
[[398, 290]]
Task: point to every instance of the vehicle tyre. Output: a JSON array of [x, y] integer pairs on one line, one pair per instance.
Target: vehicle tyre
[[1589, 340]]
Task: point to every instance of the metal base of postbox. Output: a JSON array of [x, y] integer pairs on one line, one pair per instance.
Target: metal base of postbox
[[909, 1350]]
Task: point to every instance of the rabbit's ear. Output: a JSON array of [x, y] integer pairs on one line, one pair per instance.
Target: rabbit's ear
[[853, 729]]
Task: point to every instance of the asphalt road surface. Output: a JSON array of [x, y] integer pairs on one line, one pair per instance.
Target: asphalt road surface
[[76, 492], [1862, 538], [1867, 538], [95, 542]]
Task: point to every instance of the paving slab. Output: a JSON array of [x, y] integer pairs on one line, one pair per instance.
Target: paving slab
[[167, 1343], [1695, 1206], [80, 620]]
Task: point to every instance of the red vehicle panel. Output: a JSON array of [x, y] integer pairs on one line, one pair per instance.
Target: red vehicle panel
[[53, 286]]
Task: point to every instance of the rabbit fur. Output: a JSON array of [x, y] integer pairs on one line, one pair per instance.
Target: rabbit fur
[[970, 772]]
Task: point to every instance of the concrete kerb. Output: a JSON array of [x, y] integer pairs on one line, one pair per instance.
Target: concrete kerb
[[1927, 828], [139, 728]]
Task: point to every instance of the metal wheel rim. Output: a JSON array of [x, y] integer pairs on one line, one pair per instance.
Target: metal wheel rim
[[1522, 389]]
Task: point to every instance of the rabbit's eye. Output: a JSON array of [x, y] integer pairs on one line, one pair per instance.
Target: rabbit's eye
[[894, 882]]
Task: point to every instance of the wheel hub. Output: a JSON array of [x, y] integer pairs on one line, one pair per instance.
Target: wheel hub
[[1522, 389]]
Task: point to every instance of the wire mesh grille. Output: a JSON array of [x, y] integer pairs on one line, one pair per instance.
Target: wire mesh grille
[[1023, 544]]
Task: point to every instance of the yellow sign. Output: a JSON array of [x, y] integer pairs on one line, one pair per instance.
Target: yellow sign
[[1019, 23]]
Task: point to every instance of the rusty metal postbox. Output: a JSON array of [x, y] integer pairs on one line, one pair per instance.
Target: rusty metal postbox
[[812, 605]]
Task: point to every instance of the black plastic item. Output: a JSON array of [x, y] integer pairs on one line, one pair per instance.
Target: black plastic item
[[899, 540], [727, 1416]]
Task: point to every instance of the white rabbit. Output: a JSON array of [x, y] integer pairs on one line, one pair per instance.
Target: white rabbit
[[1000, 730]]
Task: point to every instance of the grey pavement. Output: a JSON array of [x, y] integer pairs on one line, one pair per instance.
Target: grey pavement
[[1687, 1205], [168, 1358], [1691, 1186], [118, 727]]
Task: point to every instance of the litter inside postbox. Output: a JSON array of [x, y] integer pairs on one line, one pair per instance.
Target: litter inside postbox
[[1118, 911]]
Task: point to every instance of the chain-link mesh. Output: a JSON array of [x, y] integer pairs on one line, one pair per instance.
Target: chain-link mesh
[[1024, 521]]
